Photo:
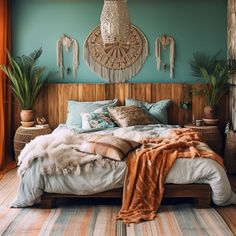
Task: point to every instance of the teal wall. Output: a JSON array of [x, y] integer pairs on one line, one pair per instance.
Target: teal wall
[[196, 25]]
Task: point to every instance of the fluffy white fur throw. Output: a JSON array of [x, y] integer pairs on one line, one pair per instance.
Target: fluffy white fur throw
[[58, 153]]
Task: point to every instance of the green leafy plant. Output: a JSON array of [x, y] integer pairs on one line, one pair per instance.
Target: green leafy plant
[[26, 77], [215, 74]]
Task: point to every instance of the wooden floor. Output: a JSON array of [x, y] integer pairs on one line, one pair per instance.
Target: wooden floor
[[228, 213]]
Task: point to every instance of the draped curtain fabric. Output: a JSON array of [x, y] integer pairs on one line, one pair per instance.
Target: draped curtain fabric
[[5, 94]]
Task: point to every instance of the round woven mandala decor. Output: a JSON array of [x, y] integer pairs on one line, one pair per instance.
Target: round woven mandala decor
[[116, 58]]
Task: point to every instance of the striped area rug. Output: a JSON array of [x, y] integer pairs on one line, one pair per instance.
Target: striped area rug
[[99, 220]]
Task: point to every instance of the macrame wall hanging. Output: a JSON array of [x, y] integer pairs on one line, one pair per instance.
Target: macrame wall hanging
[[67, 43], [115, 50], [163, 42]]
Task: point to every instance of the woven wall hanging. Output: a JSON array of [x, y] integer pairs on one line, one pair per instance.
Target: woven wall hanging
[[67, 43], [163, 42], [115, 50]]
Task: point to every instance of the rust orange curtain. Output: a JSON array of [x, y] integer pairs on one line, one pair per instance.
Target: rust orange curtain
[[5, 94]]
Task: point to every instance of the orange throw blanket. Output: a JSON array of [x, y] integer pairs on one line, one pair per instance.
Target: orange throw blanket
[[148, 167]]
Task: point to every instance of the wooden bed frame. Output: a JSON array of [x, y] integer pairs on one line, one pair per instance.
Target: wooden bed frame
[[56, 112], [201, 193]]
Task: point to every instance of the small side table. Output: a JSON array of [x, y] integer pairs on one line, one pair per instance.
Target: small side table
[[25, 135], [230, 152], [211, 135]]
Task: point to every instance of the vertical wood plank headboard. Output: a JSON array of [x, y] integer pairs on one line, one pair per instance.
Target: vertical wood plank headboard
[[52, 102]]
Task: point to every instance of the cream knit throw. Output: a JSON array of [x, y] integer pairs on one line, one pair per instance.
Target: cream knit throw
[[164, 41], [67, 42]]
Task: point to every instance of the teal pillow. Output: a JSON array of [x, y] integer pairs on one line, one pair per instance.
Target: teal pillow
[[158, 110], [75, 109]]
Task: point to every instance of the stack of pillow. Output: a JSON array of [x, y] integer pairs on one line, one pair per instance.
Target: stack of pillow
[[106, 114]]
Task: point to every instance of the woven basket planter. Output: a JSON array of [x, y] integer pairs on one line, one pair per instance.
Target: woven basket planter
[[211, 135], [25, 135]]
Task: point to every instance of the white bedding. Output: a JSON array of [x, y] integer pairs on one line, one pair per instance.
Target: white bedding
[[34, 183]]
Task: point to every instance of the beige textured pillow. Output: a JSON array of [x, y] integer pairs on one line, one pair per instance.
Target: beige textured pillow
[[129, 115], [109, 146]]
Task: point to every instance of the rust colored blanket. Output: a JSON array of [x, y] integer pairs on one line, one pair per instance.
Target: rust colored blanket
[[148, 167]]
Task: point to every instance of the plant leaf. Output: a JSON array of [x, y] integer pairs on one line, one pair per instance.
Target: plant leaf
[[26, 77]]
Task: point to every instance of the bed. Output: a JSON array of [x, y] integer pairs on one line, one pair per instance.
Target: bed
[[72, 162], [187, 178]]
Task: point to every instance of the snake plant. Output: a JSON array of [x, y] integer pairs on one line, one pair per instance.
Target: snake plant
[[26, 77]]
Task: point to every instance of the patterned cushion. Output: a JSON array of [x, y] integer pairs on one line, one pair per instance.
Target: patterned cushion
[[128, 116], [97, 119], [109, 146], [75, 108], [158, 110]]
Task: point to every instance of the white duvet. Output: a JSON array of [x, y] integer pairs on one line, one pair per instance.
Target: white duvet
[[187, 171], [34, 183]]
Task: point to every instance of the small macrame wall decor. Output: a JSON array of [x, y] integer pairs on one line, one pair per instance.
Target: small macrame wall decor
[[67, 43], [162, 43], [115, 50]]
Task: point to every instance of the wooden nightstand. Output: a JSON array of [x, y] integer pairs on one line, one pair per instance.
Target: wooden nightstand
[[25, 135], [230, 153], [211, 136]]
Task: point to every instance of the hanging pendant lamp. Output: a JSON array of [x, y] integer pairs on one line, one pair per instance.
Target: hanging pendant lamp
[[115, 50], [115, 22]]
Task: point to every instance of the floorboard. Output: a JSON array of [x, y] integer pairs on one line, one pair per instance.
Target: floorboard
[[229, 213]]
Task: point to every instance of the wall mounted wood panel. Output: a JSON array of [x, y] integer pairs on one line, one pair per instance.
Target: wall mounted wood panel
[[52, 102]]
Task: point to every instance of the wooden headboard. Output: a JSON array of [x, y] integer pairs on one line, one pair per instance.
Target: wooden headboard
[[52, 102]]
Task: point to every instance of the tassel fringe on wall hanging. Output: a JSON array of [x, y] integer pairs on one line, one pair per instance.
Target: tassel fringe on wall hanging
[[67, 43], [163, 42], [115, 50], [117, 62]]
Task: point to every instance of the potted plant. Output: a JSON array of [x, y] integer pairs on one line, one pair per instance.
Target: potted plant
[[215, 75], [26, 82]]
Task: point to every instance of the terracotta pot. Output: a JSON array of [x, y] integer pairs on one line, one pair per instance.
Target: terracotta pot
[[27, 115], [27, 124], [209, 112]]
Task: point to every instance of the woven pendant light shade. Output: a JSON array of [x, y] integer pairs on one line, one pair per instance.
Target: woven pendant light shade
[[115, 22]]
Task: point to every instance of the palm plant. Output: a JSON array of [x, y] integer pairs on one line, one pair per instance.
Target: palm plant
[[26, 77], [215, 73]]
